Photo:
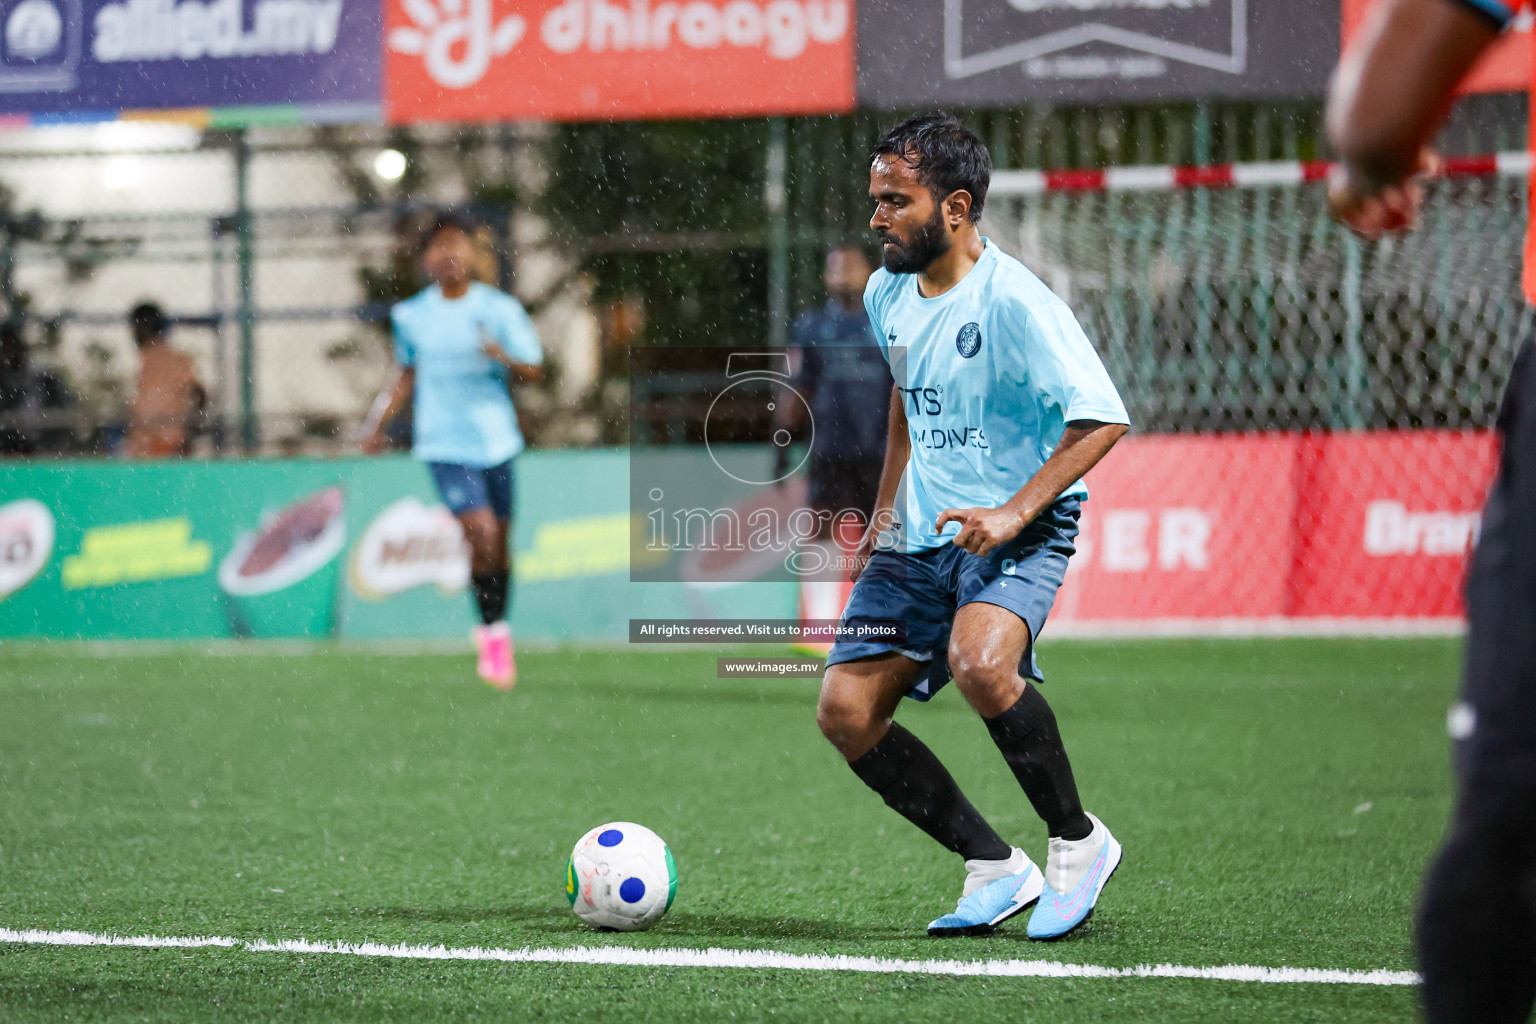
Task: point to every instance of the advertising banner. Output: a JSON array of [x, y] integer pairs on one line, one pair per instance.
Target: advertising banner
[[356, 548], [1002, 52], [1195, 534], [1186, 528], [565, 60], [1385, 522], [80, 56], [1180, 534], [1504, 68]]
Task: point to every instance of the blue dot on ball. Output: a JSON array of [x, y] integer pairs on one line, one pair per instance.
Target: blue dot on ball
[[612, 837], [632, 890]]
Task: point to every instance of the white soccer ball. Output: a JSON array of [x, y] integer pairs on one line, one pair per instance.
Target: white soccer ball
[[621, 877]]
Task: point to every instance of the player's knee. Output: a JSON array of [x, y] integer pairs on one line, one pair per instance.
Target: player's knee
[[983, 676], [847, 725], [480, 535]]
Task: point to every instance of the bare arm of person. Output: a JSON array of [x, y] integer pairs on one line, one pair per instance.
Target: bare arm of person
[[518, 373], [1083, 443], [898, 449], [385, 408], [1391, 93]]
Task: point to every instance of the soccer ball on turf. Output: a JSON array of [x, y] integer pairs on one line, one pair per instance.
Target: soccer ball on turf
[[621, 877]]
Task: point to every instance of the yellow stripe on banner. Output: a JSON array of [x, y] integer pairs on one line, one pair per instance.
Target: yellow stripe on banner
[[573, 548], [196, 117]]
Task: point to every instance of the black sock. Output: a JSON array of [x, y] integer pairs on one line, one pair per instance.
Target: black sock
[[491, 595], [1026, 734], [915, 785]]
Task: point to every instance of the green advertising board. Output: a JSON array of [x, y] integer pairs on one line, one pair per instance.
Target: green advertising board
[[348, 547]]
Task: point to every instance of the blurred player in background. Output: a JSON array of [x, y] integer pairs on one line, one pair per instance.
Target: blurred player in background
[[1000, 406], [459, 345], [846, 385], [1477, 918], [168, 401]]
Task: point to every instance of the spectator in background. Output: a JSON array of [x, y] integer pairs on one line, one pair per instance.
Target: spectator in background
[[168, 402], [846, 383], [36, 406]]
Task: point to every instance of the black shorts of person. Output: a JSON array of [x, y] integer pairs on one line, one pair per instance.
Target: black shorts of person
[[1477, 917], [839, 483]]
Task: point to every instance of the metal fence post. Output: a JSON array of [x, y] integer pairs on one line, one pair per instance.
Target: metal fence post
[[220, 311], [775, 199], [1355, 388], [245, 311]]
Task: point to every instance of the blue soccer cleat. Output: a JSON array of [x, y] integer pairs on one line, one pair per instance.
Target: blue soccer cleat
[[979, 912], [1076, 873]]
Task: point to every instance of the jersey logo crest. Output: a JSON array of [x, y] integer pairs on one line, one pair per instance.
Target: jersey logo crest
[[968, 341]]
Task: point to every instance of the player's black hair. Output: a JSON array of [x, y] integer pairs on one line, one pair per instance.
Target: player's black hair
[[148, 321], [946, 155], [446, 220]]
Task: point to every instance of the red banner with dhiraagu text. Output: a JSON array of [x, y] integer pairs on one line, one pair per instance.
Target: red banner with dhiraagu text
[[1386, 521], [1184, 529], [1504, 68], [564, 60]]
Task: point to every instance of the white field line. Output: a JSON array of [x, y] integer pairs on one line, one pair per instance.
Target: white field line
[[741, 959]]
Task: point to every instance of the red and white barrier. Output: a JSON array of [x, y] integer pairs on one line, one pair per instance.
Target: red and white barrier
[[1244, 175]]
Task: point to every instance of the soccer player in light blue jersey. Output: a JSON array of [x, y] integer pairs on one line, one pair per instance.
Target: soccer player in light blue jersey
[[1000, 406], [459, 344]]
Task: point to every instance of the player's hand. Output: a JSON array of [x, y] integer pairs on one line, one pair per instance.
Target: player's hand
[[495, 353], [982, 530], [1394, 208], [863, 553]]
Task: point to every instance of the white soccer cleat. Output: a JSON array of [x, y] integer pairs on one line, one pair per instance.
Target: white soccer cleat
[[995, 890], [1075, 874]]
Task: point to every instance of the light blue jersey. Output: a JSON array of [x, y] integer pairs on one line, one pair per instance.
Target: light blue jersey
[[990, 373], [463, 412]]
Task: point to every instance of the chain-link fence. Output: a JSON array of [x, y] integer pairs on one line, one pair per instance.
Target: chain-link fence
[[276, 254], [278, 250], [1221, 309]]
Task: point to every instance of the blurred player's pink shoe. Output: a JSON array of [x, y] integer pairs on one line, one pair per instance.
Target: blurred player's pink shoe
[[497, 666]]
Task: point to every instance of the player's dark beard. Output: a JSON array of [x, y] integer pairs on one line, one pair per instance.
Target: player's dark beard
[[916, 256]]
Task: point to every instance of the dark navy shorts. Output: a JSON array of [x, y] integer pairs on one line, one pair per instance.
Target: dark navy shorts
[[844, 483], [466, 488], [1495, 724], [925, 589]]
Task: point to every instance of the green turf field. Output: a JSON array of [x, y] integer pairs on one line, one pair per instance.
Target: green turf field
[[1276, 800]]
